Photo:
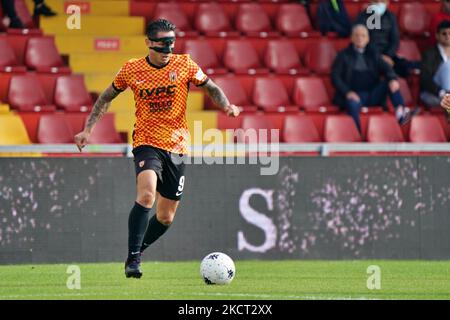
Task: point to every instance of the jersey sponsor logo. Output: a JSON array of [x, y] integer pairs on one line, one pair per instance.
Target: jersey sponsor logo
[[160, 106], [157, 91], [173, 76]]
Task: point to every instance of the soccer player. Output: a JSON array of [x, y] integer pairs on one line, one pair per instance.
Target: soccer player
[[160, 83]]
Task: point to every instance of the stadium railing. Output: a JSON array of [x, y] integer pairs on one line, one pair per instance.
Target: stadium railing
[[238, 149]]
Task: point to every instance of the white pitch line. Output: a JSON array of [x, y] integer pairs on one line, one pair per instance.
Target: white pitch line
[[203, 294]]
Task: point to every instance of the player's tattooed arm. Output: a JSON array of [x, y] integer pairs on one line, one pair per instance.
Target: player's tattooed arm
[[216, 94], [99, 109], [220, 99], [101, 106]]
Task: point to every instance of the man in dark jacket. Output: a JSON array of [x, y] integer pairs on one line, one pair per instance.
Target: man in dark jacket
[[435, 73], [385, 35], [357, 76]]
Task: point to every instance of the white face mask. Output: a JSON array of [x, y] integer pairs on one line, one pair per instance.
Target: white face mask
[[379, 8]]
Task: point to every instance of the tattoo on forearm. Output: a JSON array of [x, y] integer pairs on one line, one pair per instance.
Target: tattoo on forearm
[[101, 106], [216, 94]]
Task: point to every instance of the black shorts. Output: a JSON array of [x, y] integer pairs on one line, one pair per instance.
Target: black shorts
[[169, 168]]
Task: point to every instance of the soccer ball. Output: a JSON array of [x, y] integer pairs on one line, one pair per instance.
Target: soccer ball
[[217, 268]]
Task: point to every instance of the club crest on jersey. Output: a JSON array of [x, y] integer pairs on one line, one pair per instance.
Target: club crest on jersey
[[173, 76]]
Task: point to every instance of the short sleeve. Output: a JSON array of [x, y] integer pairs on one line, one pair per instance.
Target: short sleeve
[[196, 74], [120, 81]]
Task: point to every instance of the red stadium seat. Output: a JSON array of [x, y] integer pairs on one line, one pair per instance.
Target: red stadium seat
[[252, 20], [41, 54], [8, 59], [341, 128], [252, 124], [203, 53], [271, 95], [408, 49], [414, 19], [241, 57], [384, 128], [26, 94], [292, 20], [282, 58], [319, 56], [105, 131], [235, 93], [71, 94], [299, 129], [426, 128], [18, 39], [212, 20], [311, 95], [173, 12], [54, 128]]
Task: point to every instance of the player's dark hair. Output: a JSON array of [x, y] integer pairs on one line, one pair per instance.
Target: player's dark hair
[[443, 25], [160, 25]]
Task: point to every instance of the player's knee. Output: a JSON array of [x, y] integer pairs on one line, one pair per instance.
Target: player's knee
[[166, 219], [146, 198]]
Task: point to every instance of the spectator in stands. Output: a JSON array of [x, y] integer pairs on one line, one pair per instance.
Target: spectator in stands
[[333, 17], [385, 36], [40, 8], [435, 73], [357, 76], [438, 17]]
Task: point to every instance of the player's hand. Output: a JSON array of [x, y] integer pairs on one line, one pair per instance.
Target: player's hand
[[445, 102], [232, 110], [81, 140]]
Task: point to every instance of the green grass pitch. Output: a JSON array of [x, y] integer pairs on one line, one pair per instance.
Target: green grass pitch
[[260, 280]]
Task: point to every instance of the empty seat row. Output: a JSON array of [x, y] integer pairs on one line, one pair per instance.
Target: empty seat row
[[280, 56], [40, 54], [27, 93], [271, 95], [214, 19], [382, 128], [55, 128]]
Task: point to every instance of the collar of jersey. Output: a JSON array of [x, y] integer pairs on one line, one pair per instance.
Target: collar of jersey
[[155, 66]]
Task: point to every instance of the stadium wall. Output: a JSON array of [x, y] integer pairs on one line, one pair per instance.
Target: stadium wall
[[59, 210]]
